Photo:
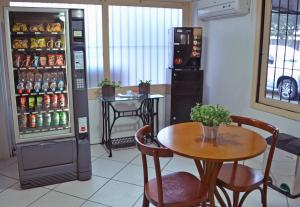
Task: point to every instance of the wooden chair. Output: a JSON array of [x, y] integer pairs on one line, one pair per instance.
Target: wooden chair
[[178, 189], [240, 178]]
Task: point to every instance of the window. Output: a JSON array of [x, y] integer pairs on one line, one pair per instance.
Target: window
[[279, 75], [93, 27], [138, 38]]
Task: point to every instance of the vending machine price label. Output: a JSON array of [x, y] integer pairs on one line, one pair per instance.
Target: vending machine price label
[[82, 125]]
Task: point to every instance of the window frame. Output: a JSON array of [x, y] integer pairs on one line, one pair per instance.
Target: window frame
[[261, 52]]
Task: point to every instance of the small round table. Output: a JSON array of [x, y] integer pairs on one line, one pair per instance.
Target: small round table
[[233, 143]]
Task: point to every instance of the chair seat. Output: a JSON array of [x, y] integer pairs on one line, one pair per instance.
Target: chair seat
[[239, 178], [179, 189]]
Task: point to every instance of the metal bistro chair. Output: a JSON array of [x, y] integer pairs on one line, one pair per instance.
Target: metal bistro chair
[[178, 189], [240, 178]]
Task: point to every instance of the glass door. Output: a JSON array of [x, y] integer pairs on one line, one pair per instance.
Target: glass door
[[40, 76]]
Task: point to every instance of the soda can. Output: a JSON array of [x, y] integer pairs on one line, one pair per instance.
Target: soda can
[[47, 119], [54, 100], [47, 101], [31, 101], [39, 102], [32, 120], [39, 120], [23, 121], [62, 100], [23, 102], [55, 119], [63, 118]]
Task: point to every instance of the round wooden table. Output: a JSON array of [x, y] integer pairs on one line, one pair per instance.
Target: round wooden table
[[233, 143]]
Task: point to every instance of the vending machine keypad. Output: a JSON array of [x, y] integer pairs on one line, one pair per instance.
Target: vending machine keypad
[[80, 83]]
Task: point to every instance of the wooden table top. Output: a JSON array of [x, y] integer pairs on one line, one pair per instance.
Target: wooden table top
[[232, 144]]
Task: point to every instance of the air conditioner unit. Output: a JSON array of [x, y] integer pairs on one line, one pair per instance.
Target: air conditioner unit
[[217, 9]]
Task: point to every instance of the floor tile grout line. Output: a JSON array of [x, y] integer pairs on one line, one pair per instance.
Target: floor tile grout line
[[114, 176], [8, 187], [15, 161], [94, 202], [8, 177], [138, 200], [49, 190]]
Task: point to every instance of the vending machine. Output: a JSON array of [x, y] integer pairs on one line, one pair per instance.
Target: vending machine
[[185, 72], [48, 90], [185, 47]]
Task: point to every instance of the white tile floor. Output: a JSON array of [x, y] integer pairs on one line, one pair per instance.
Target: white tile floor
[[116, 181]]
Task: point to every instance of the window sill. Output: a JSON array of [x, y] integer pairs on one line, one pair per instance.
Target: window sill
[[277, 111], [94, 93]]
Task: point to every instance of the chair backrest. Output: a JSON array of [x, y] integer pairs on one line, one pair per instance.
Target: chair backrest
[[263, 126], [155, 152]]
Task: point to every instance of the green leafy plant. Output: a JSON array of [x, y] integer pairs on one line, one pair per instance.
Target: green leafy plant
[[107, 82], [145, 82], [210, 115]]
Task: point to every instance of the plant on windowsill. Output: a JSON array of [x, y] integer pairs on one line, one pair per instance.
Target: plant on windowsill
[[144, 87], [108, 87], [211, 117]]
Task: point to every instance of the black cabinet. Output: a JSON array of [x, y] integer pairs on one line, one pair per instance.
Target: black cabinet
[[186, 91]]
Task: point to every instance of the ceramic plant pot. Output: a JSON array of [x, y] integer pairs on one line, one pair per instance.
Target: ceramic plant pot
[[108, 91], [144, 88]]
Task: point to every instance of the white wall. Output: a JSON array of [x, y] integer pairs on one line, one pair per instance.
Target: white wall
[[228, 64]]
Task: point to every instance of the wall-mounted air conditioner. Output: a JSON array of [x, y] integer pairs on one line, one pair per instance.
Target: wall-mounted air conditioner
[[217, 9]]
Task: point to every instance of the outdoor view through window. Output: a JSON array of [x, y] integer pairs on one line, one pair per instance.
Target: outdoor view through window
[[283, 66]]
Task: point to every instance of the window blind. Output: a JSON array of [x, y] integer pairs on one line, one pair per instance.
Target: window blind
[[138, 38]]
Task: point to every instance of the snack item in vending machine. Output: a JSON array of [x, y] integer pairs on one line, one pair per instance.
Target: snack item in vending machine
[[51, 59], [23, 121], [23, 102], [61, 82], [43, 60], [46, 79], [50, 43], [39, 102], [37, 28], [54, 27], [55, 119], [37, 43], [20, 27], [41, 42], [29, 82], [54, 100], [32, 120], [53, 80], [63, 118], [47, 119], [31, 102], [21, 82], [20, 44], [18, 60], [27, 61], [33, 43], [62, 100], [47, 101], [38, 82], [59, 60], [58, 44], [36, 61], [39, 120]]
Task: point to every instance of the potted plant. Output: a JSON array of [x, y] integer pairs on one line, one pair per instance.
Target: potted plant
[[108, 87], [211, 117], [144, 87]]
